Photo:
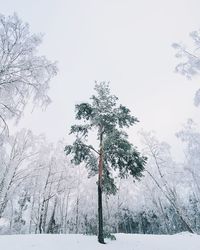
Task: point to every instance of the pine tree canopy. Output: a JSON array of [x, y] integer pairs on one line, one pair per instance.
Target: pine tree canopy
[[107, 118]]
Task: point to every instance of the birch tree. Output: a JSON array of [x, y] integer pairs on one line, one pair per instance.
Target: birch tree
[[24, 75]]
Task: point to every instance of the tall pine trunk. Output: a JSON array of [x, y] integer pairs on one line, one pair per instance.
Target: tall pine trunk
[[100, 207]]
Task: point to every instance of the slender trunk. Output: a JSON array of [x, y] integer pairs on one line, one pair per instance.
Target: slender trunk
[[46, 207], [66, 211], [32, 207], [2, 184], [42, 210], [52, 223], [100, 208], [164, 216], [118, 206], [41, 216], [11, 217], [77, 216]]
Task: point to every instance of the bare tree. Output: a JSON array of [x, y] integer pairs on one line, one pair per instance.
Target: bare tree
[[24, 75], [160, 156], [16, 170]]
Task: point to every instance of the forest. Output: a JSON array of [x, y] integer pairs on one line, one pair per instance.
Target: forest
[[51, 187]]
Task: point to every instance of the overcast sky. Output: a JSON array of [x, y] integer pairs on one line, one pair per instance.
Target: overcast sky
[[126, 42]]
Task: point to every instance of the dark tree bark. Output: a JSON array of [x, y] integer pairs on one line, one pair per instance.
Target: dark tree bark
[[52, 222], [100, 207]]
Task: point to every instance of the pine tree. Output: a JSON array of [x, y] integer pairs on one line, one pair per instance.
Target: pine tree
[[115, 154]]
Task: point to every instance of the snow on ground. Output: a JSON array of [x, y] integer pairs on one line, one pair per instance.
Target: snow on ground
[[183, 241]]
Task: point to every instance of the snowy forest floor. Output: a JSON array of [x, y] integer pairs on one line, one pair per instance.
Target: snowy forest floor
[[183, 241]]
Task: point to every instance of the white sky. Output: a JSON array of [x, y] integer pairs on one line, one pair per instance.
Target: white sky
[[126, 42]]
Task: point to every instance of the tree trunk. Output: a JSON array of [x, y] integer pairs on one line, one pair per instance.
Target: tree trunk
[[77, 216], [52, 223], [41, 216], [100, 208], [100, 216]]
